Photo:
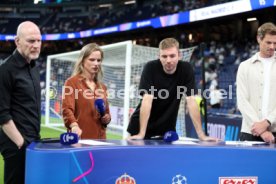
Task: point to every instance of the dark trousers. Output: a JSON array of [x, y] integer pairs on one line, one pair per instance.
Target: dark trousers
[[14, 167], [250, 137]]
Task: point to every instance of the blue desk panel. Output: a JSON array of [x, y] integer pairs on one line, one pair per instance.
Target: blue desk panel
[[149, 162]]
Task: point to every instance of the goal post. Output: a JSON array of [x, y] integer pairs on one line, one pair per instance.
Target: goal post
[[122, 67], [51, 93]]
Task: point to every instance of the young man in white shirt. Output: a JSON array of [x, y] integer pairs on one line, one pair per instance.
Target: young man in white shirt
[[256, 94]]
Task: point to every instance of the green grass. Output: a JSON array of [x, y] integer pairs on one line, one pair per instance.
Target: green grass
[[47, 133]]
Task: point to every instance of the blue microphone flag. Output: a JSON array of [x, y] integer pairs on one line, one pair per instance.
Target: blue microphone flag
[[69, 138], [100, 106], [170, 136]]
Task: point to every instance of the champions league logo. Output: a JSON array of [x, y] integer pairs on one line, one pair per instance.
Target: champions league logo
[[125, 179], [179, 179]]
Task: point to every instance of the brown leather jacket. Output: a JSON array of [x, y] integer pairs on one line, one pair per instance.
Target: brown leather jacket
[[78, 106]]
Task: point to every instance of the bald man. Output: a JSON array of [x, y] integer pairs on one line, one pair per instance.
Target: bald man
[[20, 101]]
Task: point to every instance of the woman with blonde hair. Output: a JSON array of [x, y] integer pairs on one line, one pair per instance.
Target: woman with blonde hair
[[80, 95]]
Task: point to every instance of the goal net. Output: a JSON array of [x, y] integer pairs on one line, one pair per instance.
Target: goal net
[[122, 67]]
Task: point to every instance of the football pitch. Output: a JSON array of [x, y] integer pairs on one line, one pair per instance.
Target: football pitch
[[47, 133]]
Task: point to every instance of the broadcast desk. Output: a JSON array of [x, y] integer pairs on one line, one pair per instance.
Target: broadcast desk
[[150, 162]]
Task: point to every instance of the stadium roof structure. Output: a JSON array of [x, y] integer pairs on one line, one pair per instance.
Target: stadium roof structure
[[29, 3]]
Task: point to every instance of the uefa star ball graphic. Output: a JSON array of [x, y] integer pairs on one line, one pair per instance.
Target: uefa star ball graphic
[[179, 179]]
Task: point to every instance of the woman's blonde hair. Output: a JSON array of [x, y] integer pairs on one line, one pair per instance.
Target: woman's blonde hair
[[84, 53]]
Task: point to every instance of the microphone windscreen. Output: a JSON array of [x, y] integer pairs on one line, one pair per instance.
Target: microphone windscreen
[[69, 138], [170, 136], [100, 106]]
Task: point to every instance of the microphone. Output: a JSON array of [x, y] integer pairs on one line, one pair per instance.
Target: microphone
[[69, 138], [170, 136], [100, 106]]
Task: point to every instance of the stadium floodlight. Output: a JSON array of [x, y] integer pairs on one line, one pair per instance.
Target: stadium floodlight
[[251, 19], [129, 2], [122, 67]]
